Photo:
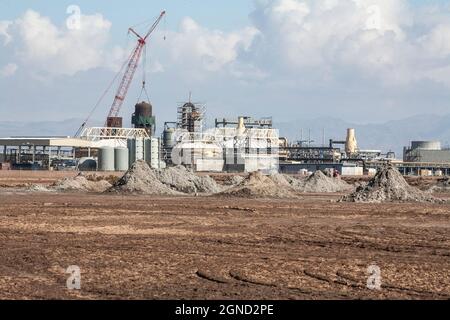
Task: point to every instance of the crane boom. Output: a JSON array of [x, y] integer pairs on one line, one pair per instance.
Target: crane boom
[[131, 69]]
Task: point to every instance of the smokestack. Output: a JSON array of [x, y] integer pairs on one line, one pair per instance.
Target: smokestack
[[351, 145], [241, 126]]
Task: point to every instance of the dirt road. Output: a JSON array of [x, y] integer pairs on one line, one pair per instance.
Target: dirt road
[[211, 248]]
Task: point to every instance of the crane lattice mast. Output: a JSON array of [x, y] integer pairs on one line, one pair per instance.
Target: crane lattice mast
[[131, 70]]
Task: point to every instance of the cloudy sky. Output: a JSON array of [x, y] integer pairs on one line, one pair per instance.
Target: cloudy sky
[[359, 60]]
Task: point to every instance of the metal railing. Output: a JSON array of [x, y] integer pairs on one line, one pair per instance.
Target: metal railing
[[100, 133]]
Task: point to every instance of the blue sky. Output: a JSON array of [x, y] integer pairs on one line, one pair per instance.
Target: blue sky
[[226, 15], [361, 60]]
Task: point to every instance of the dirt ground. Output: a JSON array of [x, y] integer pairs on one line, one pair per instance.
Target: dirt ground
[[141, 247]]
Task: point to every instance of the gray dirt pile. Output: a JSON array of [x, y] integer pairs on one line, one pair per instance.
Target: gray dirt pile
[[316, 183], [182, 179], [141, 179], [257, 185], [388, 185], [319, 182], [38, 188], [80, 183], [443, 185], [233, 181]]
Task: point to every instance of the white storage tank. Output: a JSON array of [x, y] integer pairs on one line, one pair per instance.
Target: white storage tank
[[106, 159], [135, 150], [151, 152], [121, 162]]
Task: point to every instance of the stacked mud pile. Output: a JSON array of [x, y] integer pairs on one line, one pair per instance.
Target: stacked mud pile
[[38, 188], [141, 179], [443, 185], [319, 182], [388, 185], [257, 185], [81, 183], [184, 180], [316, 183], [231, 180]]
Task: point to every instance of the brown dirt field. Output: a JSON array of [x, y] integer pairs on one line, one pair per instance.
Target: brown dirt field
[[17, 178], [141, 247]]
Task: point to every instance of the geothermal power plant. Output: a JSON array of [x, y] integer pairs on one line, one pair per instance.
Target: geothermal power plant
[[226, 209]]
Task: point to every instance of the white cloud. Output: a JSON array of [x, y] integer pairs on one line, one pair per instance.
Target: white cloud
[[59, 50], [386, 40], [209, 50], [4, 26], [383, 39], [8, 70], [290, 43]]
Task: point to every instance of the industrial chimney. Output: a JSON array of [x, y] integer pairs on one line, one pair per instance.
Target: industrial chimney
[[241, 126], [351, 145]]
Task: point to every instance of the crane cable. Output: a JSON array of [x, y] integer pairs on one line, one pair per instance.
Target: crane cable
[[144, 63], [144, 82], [103, 95]]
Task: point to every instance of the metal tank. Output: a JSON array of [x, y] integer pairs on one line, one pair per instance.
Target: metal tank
[[135, 150], [121, 159], [143, 117], [168, 138], [151, 153], [106, 159]]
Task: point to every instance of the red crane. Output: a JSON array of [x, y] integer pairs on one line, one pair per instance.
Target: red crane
[[129, 72]]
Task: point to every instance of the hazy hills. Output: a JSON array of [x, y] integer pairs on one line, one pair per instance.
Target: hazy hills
[[392, 135]]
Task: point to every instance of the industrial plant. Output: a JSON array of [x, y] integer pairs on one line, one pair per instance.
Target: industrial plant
[[223, 207], [242, 144]]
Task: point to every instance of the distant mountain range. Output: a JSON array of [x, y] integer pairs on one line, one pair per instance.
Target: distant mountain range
[[392, 135], [389, 136], [42, 128]]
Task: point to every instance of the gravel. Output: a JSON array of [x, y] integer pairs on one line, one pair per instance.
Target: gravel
[[184, 180], [257, 185], [80, 183], [318, 182], [141, 179], [388, 185]]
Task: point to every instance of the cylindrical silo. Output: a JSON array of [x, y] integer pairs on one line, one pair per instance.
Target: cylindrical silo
[[121, 159], [151, 153], [168, 138], [143, 118], [106, 159]]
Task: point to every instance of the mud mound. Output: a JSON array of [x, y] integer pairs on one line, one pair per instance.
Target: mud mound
[[184, 180], [38, 188], [319, 182], [256, 185], [316, 183], [80, 183], [232, 180], [283, 180], [141, 179], [388, 185], [443, 185]]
